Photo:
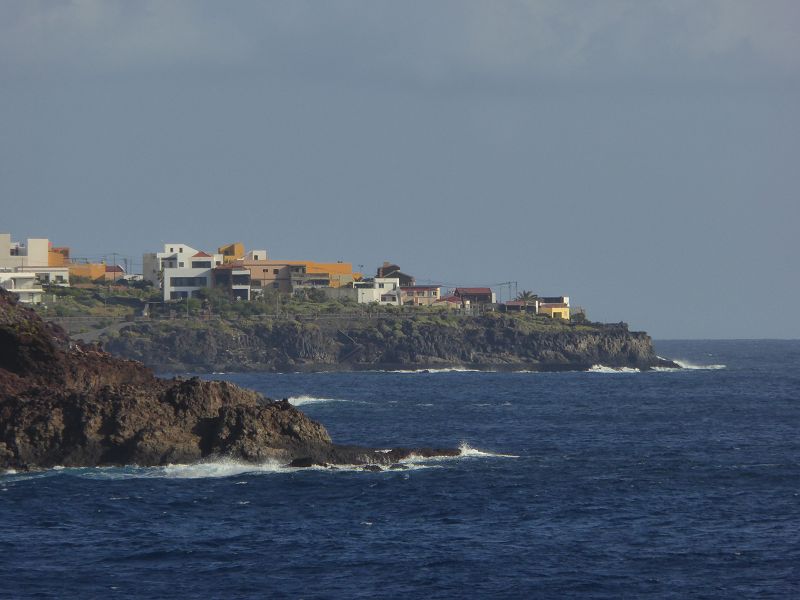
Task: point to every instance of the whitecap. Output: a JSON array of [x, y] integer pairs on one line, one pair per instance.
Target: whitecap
[[201, 470], [684, 364], [605, 369], [430, 371], [465, 451], [301, 400]]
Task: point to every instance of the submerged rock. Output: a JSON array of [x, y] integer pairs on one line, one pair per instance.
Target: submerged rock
[[63, 403]]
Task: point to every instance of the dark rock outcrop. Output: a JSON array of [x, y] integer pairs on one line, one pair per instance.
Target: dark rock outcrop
[[492, 343], [62, 403]]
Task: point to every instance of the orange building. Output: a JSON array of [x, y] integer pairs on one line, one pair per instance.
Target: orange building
[[231, 252], [92, 271], [58, 257]]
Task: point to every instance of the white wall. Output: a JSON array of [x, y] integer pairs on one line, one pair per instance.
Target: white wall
[[37, 249]]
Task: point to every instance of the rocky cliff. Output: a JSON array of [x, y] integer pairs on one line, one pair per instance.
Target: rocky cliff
[[66, 404], [491, 342]]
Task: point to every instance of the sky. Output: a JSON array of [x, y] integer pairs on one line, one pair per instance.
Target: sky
[[641, 157]]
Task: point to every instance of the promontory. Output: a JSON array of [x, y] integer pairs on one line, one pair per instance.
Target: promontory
[[63, 403]]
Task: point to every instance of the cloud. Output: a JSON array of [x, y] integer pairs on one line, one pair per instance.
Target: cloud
[[98, 34], [426, 40]]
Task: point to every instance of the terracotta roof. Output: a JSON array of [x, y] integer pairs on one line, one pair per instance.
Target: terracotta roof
[[201, 254], [474, 290], [453, 299], [114, 269]]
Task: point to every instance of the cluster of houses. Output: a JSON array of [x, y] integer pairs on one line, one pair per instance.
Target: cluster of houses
[[181, 271], [27, 266]]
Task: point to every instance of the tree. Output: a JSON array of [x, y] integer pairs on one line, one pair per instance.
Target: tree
[[526, 296]]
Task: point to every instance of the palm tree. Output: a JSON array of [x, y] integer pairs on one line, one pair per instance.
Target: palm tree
[[526, 296]]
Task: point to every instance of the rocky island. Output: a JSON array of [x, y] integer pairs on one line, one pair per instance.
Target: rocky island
[[62, 403]]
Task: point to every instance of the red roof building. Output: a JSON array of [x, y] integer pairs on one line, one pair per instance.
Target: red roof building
[[476, 295]]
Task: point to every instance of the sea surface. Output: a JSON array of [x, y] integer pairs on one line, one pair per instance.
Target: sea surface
[[599, 484]]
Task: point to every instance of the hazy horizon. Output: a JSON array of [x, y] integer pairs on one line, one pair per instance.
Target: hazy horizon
[[640, 157]]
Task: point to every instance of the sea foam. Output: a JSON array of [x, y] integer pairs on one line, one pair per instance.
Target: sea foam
[[301, 400], [605, 369], [684, 364]]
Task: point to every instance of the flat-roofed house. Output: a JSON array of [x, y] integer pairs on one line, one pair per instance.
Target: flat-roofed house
[[420, 295], [180, 270]]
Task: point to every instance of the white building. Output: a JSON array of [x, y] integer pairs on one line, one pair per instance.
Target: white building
[[180, 270], [34, 253], [383, 290], [48, 275], [24, 285], [31, 259]]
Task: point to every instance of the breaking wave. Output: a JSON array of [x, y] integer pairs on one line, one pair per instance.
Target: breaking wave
[[431, 371], [301, 400], [605, 369], [465, 451], [695, 367], [221, 468]]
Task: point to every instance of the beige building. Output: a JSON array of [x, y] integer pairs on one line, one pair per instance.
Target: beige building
[[420, 295]]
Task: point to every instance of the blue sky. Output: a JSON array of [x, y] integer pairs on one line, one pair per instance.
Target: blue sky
[[641, 157]]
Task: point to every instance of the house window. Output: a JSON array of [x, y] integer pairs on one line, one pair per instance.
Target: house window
[[201, 264], [276, 285], [187, 281], [180, 264], [380, 285], [219, 262], [275, 271], [172, 249]]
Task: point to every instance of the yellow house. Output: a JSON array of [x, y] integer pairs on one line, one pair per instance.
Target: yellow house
[[91, 271], [231, 252], [58, 257], [555, 310], [338, 273]]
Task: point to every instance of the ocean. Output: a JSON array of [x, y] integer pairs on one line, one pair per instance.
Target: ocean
[[601, 484]]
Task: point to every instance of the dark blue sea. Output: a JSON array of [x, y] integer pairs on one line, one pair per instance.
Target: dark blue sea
[[597, 484]]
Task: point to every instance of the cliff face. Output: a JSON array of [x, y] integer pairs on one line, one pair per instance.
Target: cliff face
[[64, 404], [488, 342]]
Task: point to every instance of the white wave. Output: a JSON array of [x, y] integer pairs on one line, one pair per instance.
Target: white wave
[[605, 369], [430, 371], [465, 451], [301, 400], [685, 364], [211, 469]]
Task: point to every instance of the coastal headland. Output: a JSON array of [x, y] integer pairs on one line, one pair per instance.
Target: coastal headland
[[496, 342], [63, 403]]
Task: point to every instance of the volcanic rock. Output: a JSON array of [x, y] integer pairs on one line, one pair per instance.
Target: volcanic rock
[[63, 403]]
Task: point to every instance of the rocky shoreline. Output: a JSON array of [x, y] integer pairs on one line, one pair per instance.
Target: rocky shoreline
[[492, 343], [62, 403]]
